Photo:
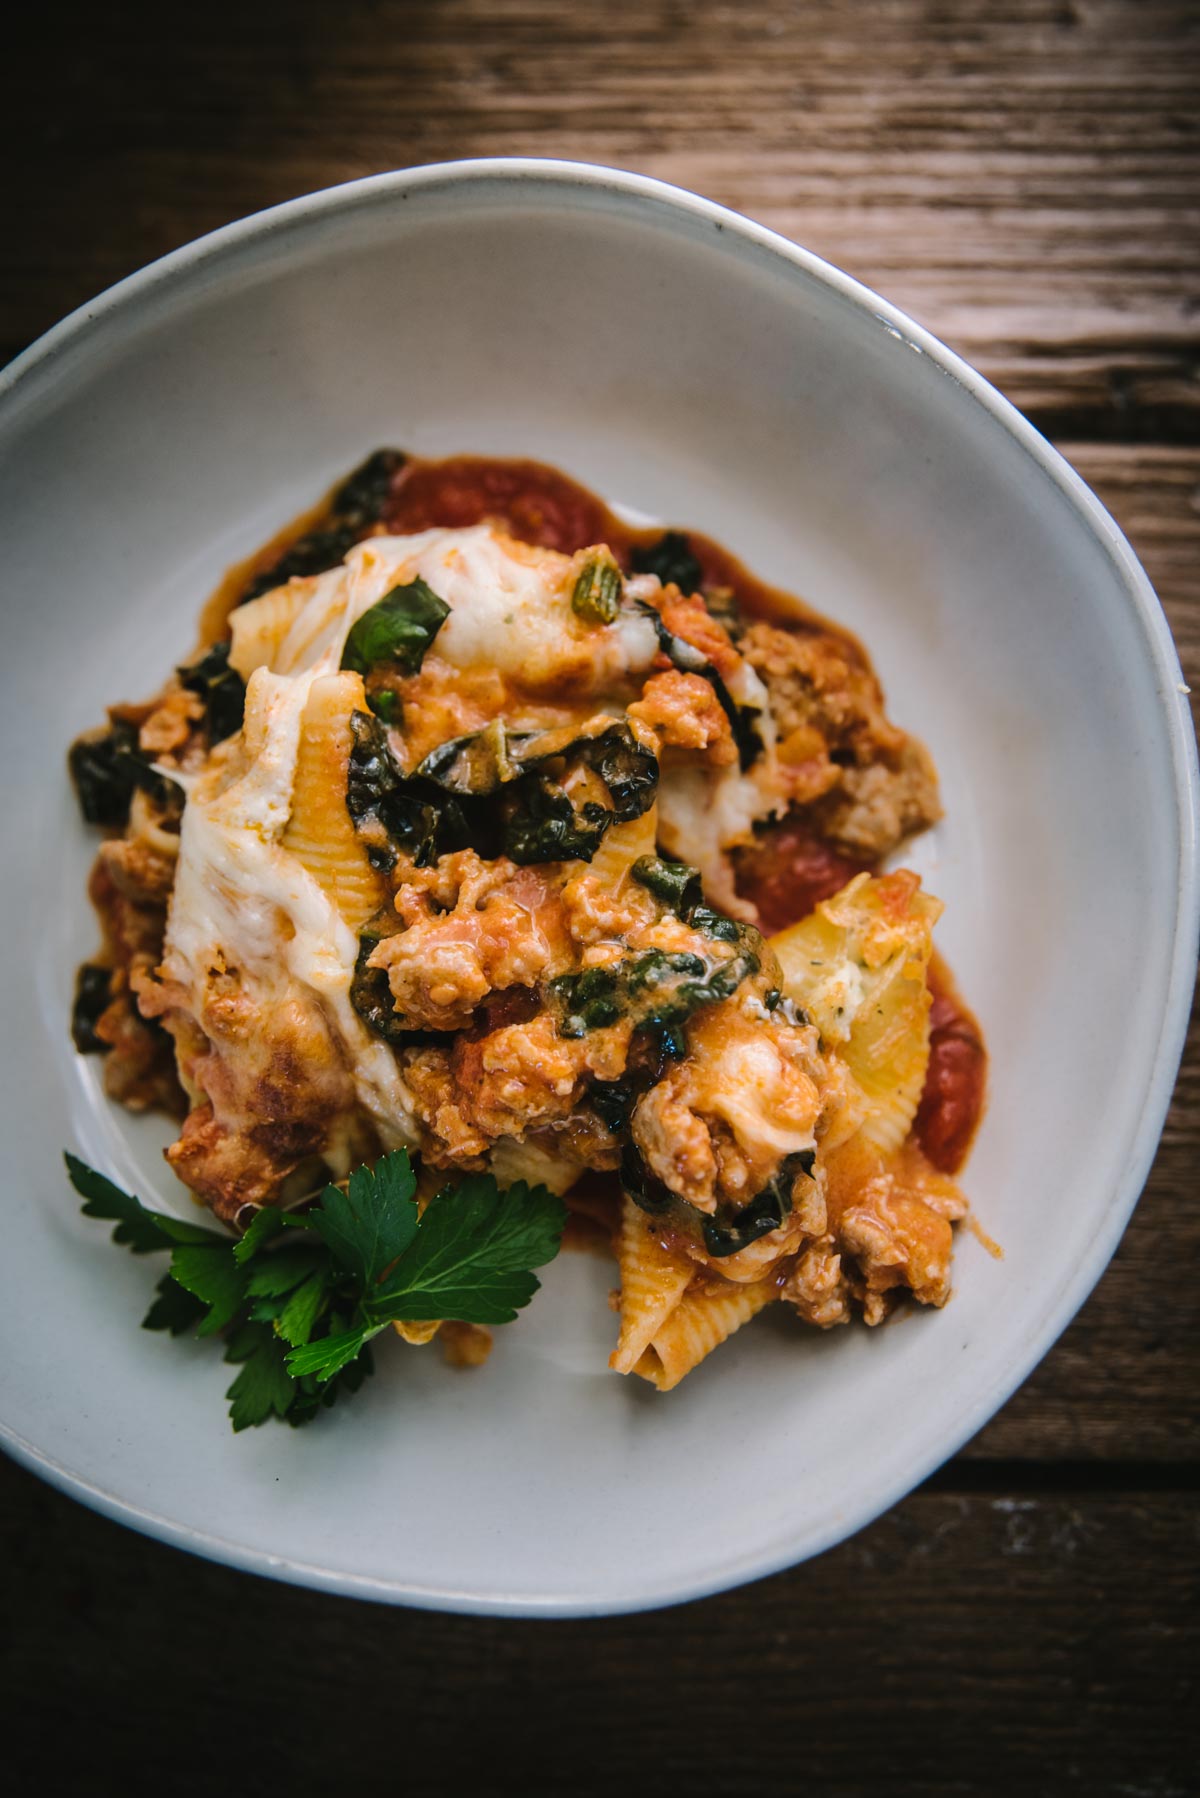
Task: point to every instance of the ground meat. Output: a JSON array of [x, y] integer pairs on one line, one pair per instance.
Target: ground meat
[[676, 1143], [688, 617], [892, 1218], [139, 1065], [815, 682], [129, 886], [452, 1140], [596, 913], [139, 872], [817, 1287], [175, 716], [717, 1126], [472, 928], [867, 783], [875, 807], [521, 1076], [685, 713], [508, 1082], [270, 1087], [133, 927], [897, 1240]]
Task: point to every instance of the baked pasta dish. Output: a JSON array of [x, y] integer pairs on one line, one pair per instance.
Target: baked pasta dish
[[485, 827]]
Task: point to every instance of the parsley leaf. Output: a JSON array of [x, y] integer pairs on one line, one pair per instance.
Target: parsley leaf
[[399, 628], [366, 1228], [140, 1230], [471, 1258], [299, 1316], [296, 1321], [175, 1309], [265, 1224], [273, 1275], [325, 1358], [263, 1388], [213, 1276]]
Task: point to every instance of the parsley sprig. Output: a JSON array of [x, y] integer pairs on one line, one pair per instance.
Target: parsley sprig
[[301, 1294]]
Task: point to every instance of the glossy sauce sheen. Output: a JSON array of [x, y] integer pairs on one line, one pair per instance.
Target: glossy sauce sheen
[[956, 1083], [791, 869]]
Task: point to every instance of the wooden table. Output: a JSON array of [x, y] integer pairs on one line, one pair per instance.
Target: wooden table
[[1022, 176]]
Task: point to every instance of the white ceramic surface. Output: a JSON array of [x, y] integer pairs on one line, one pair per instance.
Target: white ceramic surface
[[683, 361]]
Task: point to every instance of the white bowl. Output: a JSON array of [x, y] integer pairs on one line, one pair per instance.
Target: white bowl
[[688, 363]]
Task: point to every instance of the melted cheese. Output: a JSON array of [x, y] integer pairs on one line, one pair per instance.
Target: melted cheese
[[702, 812], [510, 610], [241, 900], [751, 1098]]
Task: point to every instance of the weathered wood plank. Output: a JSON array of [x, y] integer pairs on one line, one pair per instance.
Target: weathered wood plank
[[1154, 495], [964, 1644], [1022, 177]]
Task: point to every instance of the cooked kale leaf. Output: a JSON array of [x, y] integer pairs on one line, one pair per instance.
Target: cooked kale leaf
[[398, 629], [627, 768], [545, 825], [730, 1231], [657, 988], [357, 505], [645, 1189], [675, 883], [671, 559], [613, 1102], [478, 763], [494, 757], [496, 793], [678, 886], [546, 822], [93, 995], [395, 811], [360, 499], [371, 995], [107, 767], [311, 554], [221, 688]]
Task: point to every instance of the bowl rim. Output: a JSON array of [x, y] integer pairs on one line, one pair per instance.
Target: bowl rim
[[638, 194]]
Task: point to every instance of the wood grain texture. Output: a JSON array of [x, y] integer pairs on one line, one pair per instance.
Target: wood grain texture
[[1024, 177], [965, 1644]]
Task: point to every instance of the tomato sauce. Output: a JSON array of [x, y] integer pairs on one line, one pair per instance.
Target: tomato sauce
[[955, 1085], [790, 870], [536, 504]]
